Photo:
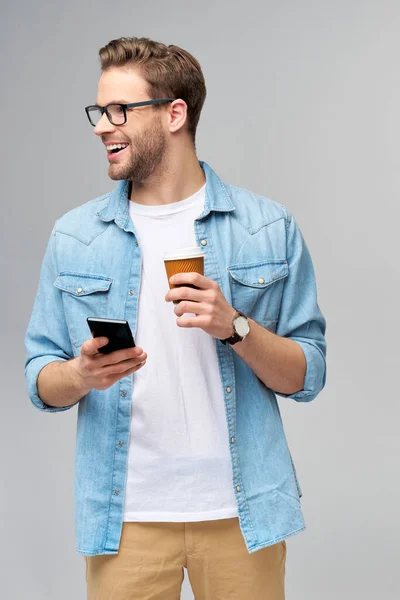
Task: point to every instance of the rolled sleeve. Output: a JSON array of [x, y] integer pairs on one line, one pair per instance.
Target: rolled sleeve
[[47, 339], [31, 374], [300, 317]]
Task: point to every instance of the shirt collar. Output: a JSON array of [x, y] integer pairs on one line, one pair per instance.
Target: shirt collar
[[117, 207]]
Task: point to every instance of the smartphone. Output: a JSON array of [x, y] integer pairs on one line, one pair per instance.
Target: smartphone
[[118, 333]]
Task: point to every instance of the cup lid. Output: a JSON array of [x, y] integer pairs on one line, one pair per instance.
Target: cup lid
[[192, 252]]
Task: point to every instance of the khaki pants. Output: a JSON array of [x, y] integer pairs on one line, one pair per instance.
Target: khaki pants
[[150, 561]]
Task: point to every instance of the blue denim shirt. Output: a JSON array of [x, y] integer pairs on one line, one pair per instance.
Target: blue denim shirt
[[92, 267]]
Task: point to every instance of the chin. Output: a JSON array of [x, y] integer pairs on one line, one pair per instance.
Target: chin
[[116, 174]]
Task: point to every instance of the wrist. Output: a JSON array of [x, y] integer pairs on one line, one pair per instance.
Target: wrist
[[77, 376], [230, 330], [239, 330]]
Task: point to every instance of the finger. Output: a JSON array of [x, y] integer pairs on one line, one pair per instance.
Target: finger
[[185, 293], [140, 365], [185, 306], [135, 368], [123, 366], [119, 355], [189, 322], [196, 279], [92, 345], [126, 373]]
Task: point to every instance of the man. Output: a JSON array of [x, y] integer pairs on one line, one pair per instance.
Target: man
[[181, 457]]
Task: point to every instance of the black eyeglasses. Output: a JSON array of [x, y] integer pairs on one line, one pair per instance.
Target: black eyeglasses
[[116, 113]]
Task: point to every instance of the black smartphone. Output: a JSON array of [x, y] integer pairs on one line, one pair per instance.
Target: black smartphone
[[118, 333]]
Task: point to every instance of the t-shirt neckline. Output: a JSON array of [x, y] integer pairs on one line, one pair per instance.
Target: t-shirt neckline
[[167, 209]]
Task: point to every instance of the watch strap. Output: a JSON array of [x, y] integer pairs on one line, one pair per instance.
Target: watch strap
[[233, 339]]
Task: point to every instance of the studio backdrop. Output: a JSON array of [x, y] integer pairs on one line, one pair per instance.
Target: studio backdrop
[[303, 107]]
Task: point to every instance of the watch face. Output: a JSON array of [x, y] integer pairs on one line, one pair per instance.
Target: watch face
[[241, 326]]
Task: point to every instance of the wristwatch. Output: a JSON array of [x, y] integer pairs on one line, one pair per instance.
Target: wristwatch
[[241, 328]]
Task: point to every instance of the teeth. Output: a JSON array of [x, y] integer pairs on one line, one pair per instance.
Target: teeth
[[115, 146]]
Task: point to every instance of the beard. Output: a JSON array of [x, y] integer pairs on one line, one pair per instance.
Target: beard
[[147, 150]]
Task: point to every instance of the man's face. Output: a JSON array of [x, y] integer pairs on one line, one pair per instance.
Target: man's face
[[143, 130]]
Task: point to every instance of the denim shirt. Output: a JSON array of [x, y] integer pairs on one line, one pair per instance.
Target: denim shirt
[[256, 253]]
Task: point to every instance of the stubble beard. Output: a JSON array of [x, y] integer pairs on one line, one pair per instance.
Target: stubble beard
[[147, 150]]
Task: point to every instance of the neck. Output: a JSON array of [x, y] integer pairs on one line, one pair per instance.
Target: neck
[[178, 177]]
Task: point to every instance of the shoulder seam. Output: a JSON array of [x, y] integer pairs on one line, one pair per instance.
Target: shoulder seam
[[286, 214], [80, 206]]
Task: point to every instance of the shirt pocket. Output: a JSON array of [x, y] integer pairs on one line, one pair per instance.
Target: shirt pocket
[[256, 289], [84, 295]]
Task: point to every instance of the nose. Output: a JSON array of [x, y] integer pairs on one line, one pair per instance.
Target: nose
[[104, 126]]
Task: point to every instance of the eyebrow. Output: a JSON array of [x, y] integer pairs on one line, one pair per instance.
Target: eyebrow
[[121, 101]]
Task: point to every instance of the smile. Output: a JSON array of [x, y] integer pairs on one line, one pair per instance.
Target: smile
[[115, 149]]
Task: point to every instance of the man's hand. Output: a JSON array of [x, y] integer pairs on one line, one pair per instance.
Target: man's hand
[[214, 314], [100, 371]]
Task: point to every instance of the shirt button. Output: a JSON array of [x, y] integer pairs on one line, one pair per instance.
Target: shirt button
[[261, 280], [203, 242], [228, 389], [131, 292], [116, 492], [78, 291], [120, 444], [238, 488], [123, 394], [232, 440]]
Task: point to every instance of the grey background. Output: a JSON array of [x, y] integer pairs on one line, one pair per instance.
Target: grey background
[[303, 106]]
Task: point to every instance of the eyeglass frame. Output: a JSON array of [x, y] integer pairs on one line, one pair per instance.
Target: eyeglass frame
[[103, 109]]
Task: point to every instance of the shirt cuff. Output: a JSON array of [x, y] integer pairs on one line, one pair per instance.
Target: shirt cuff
[[315, 374], [32, 374]]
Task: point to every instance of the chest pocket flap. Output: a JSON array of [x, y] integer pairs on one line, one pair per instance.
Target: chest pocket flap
[[260, 275], [82, 284], [256, 289]]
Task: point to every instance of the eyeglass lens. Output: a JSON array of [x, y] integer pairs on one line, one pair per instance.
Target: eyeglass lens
[[115, 113]]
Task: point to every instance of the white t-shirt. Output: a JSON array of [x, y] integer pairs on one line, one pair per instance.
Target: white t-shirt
[[179, 465]]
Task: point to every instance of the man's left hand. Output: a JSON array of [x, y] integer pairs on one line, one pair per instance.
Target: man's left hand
[[214, 314]]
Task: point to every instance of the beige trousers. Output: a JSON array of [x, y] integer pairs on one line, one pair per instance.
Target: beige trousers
[[150, 561]]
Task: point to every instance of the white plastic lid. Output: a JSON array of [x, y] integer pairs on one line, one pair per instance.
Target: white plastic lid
[[192, 252]]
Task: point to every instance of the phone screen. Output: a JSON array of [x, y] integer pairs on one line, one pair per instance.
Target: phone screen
[[118, 333]]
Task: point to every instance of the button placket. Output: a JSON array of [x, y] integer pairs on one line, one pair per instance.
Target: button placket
[[228, 388], [131, 292]]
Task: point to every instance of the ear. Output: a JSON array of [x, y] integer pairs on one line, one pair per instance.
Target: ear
[[177, 115]]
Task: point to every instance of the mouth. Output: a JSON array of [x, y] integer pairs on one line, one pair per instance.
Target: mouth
[[115, 150]]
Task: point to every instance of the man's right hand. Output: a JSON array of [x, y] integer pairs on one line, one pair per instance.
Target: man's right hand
[[100, 371]]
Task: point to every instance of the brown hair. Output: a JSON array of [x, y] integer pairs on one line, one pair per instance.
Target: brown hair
[[170, 72]]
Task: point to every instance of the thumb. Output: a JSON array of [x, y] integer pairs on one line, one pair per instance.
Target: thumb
[[92, 345]]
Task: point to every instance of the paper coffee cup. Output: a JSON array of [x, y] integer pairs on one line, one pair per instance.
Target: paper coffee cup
[[185, 260]]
